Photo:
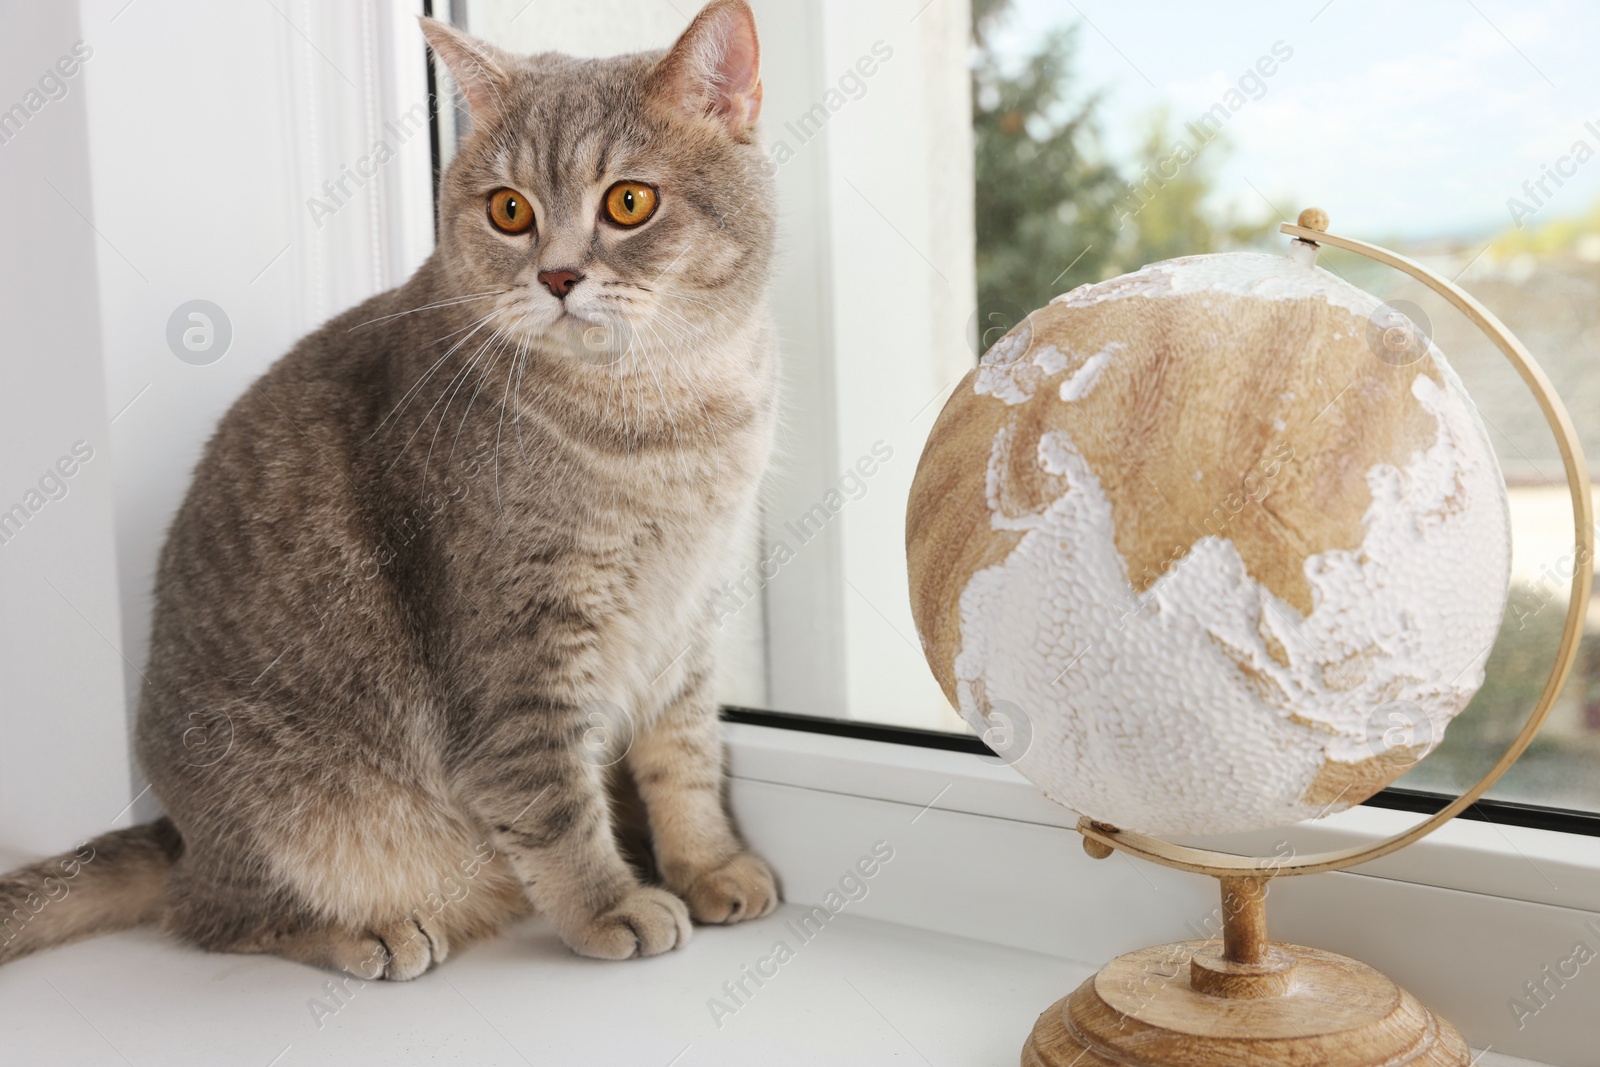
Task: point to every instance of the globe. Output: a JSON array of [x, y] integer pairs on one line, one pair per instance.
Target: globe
[[1218, 545]]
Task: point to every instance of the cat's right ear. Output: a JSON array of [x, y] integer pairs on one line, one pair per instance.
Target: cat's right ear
[[480, 69]]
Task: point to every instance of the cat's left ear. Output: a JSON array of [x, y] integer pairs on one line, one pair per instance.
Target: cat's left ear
[[714, 69]]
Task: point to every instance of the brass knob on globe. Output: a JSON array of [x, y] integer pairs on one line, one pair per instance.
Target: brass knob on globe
[[1314, 218]]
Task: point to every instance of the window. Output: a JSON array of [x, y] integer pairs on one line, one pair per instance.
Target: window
[[946, 167]]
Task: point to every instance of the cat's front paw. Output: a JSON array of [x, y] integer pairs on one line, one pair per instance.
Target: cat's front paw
[[646, 922], [743, 888]]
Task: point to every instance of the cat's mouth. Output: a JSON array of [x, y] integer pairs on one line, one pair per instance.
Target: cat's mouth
[[568, 319], [591, 340]]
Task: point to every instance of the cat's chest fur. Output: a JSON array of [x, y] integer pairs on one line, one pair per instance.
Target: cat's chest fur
[[601, 532]]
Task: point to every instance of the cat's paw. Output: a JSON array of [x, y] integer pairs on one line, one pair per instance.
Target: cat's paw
[[646, 922], [401, 950], [743, 888]]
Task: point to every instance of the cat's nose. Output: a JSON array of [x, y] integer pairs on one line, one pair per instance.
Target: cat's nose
[[560, 282]]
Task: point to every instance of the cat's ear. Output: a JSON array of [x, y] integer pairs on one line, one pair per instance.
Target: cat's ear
[[479, 68], [714, 69]]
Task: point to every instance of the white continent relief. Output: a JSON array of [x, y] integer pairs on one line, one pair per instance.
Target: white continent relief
[[1012, 370], [1206, 704]]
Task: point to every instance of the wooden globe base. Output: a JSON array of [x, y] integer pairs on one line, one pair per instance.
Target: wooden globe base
[[1244, 1003], [1336, 1012]]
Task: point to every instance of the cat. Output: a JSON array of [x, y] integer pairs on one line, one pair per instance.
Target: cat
[[404, 635]]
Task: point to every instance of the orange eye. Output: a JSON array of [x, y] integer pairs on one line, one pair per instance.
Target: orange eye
[[510, 211], [630, 203]]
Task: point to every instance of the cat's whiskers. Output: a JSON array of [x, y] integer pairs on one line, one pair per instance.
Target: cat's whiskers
[[466, 372], [482, 381], [499, 430], [516, 422], [412, 392], [679, 294], [422, 380], [685, 333], [449, 302], [451, 388], [461, 329], [668, 405], [652, 340], [646, 345]]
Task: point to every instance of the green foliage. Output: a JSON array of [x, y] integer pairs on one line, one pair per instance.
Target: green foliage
[[1044, 205], [1052, 213], [1171, 217]]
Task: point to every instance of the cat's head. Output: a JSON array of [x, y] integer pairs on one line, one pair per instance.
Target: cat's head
[[616, 205]]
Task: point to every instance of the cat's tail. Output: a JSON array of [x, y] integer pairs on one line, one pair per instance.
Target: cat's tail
[[115, 881]]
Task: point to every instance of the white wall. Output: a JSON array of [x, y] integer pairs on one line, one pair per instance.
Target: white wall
[[592, 28], [63, 767], [193, 136]]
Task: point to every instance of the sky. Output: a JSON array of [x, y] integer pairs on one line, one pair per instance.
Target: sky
[[1406, 118]]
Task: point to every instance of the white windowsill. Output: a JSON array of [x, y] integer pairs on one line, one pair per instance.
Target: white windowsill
[[862, 992]]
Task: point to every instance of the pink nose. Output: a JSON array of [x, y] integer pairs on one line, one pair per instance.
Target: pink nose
[[560, 282]]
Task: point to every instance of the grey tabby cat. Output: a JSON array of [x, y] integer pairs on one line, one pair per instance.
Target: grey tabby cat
[[403, 630]]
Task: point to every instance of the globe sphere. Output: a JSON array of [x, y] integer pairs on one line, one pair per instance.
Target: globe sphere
[[1215, 546]]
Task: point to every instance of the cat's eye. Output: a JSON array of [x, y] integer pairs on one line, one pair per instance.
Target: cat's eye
[[509, 211], [630, 203]]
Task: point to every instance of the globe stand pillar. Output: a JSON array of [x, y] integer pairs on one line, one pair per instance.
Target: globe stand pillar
[[1245, 1000]]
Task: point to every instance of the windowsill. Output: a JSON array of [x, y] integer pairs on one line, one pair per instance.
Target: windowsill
[[861, 992]]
